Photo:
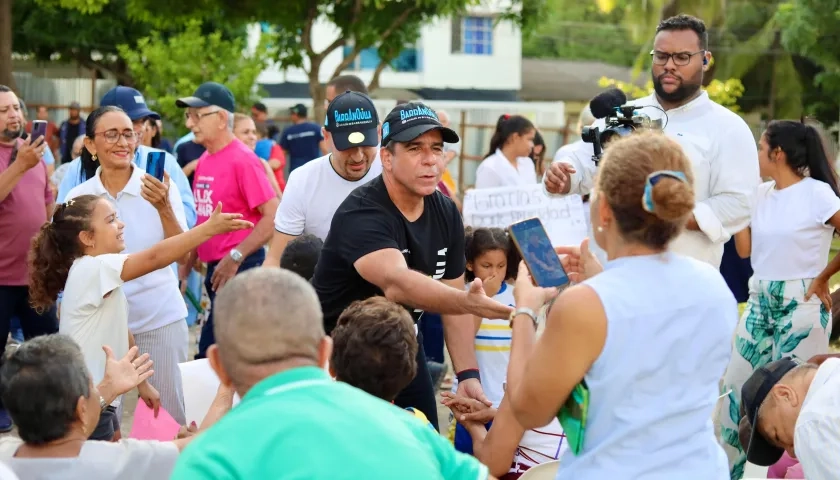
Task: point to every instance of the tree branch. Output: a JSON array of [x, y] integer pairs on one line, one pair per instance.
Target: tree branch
[[341, 41], [387, 33], [374, 81], [306, 33]]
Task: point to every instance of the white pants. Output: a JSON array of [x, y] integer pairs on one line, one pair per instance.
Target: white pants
[[167, 346]]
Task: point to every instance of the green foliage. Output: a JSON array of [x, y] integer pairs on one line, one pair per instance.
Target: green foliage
[[809, 28], [581, 31], [725, 93], [165, 69]]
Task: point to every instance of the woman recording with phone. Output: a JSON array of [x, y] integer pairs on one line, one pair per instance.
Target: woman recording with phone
[[631, 356], [154, 212]]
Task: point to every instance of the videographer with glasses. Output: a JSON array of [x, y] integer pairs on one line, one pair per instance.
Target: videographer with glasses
[[720, 145], [229, 173]]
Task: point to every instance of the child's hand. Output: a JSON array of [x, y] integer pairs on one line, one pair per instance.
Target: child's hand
[[226, 222], [468, 410], [493, 284]]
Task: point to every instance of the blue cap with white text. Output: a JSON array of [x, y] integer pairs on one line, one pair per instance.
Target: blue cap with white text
[[352, 121], [130, 100]]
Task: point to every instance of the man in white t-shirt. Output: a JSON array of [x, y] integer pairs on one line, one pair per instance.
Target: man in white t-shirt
[[720, 145], [315, 190]]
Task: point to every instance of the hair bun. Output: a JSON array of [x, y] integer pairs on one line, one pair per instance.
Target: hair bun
[[672, 199]]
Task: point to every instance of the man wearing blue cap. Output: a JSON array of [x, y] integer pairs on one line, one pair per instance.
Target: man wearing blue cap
[[134, 105]]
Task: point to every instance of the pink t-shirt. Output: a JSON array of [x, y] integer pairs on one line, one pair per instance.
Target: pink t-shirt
[[22, 213], [235, 177]]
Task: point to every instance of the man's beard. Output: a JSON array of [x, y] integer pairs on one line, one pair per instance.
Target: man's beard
[[11, 134], [686, 89]]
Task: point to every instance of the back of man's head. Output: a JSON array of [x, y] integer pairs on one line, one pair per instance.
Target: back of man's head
[[353, 83], [266, 316], [374, 347], [301, 255]]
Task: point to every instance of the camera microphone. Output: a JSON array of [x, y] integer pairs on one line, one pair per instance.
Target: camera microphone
[[605, 103]]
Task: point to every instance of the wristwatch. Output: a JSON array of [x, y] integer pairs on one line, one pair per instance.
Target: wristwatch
[[236, 255], [524, 311], [102, 404]]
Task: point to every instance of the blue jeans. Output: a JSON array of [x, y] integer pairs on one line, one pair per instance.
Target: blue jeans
[[432, 327], [207, 337], [463, 440]]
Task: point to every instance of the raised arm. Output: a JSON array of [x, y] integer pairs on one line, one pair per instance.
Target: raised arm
[[174, 248]]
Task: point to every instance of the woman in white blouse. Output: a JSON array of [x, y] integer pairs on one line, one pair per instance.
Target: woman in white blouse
[[508, 163]]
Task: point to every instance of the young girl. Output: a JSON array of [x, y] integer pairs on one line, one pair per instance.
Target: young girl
[[79, 253], [793, 219], [507, 448], [508, 164]]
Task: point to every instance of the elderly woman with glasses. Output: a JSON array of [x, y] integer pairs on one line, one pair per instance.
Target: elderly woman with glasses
[[156, 308], [53, 401]]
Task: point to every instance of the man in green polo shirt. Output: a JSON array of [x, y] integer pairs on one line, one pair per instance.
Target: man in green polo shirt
[[294, 421]]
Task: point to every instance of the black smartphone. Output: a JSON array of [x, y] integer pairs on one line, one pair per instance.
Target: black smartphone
[[39, 129], [532, 242], [154, 164]]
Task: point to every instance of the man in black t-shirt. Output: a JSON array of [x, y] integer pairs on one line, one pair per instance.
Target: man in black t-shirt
[[397, 236]]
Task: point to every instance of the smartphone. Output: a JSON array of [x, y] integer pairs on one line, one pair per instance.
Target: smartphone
[[154, 164], [573, 416], [39, 129], [532, 242]]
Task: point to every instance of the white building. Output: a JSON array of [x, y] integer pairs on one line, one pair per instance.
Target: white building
[[461, 58]]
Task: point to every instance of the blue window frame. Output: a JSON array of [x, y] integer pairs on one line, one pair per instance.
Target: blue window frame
[[368, 59], [477, 36]]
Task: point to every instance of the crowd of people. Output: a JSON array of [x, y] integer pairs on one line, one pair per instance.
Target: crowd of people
[[332, 291]]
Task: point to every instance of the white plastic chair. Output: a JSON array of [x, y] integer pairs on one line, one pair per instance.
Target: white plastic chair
[[543, 471]]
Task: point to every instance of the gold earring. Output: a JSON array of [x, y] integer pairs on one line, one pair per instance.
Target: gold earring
[[93, 157], [600, 228]]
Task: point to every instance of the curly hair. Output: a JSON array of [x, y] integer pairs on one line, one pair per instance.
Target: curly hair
[[623, 177], [375, 347], [54, 249]]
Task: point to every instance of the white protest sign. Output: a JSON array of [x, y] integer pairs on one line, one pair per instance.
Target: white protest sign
[[562, 217], [200, 384]]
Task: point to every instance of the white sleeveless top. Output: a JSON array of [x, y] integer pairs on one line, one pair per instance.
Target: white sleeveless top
[[653, 389]]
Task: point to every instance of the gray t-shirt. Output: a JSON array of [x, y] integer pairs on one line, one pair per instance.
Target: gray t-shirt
[[127, 459]]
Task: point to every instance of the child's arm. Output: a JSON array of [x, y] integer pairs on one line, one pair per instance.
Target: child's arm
[[743, 243], [174, 248]]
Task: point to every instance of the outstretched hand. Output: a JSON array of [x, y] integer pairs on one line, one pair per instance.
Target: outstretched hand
[[482, 306], [227, 222], [123, 375]]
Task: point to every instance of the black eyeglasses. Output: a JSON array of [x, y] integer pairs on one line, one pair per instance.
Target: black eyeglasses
[[681, 59]]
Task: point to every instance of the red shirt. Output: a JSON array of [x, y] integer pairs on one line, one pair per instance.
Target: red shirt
[[22, 213]]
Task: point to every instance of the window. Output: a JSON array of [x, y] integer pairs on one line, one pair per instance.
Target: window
[[368, 59], [472, 35]]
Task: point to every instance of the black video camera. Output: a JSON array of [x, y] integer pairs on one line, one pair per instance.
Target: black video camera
[[623, 121]]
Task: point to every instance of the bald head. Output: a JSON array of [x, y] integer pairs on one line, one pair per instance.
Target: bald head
[[264, 316], [443, 117]]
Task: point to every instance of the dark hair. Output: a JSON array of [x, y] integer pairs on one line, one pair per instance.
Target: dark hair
[[260, 107], [151, 122], [538, 141], [89, 165], [262, 131], [375, 347], [623, 178], [301, 255], [506, 126], [343, 83], [42, 382], [686, 22], [55, 247], [483, 239], [5, 89], [803, 149]]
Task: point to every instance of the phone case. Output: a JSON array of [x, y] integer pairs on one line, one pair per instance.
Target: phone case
[[573, 416]]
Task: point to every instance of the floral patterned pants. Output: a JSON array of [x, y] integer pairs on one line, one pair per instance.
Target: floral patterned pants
[[776, 323]]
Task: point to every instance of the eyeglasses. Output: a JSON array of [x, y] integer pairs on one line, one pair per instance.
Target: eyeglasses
[[198, 116], [681, 59], [113, 136]]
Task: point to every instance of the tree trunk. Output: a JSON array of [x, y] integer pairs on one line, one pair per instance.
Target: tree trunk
[[6, 67], [374, 81], [316, 91], [774, 47]]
